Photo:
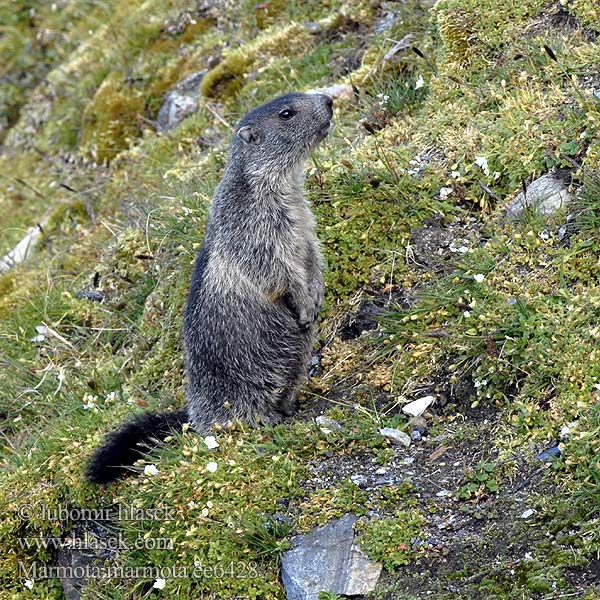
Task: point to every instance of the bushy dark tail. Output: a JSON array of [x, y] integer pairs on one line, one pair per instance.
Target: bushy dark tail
[[122, 447]]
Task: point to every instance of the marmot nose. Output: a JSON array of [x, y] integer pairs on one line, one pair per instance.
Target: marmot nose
[[328, 100]]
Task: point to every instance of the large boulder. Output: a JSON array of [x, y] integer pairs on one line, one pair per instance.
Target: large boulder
[[328, 560]]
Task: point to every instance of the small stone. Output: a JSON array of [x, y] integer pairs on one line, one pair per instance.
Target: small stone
[[327, 425], [385, 23], [359, 480], [381, 471], [415, 435], [565, 430], [92, 295], [528, 513], [418, 407], [340, 91], [550, 454], [443, 493], [395, 436], [181, 102], [420, 425], [546, 195]]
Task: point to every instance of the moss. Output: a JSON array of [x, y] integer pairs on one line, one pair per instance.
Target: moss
[[111, 118], [227, 78], [390, 540]]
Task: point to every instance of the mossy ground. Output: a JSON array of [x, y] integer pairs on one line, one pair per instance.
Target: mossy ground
[[505, 334]]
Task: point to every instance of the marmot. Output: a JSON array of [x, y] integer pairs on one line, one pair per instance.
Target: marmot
[[256, 290]]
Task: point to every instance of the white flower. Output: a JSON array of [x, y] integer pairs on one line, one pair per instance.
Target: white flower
[[482, 163], [466, 314], [205, 512], [445, 192], [211, 467], [29, 584], [89, 402], [597, 386], [151, 470], [455, 174], [479, 277], [211, 442], [110, 397], [419, 83], [159, 584]]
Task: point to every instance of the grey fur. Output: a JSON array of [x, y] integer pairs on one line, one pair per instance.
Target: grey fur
[[257, 288]]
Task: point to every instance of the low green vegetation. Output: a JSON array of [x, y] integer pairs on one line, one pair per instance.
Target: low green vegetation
[[499, 320]]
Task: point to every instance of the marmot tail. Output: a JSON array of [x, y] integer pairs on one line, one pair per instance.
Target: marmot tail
[[123, 446]]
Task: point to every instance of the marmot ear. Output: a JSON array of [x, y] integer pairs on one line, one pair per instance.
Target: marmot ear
[[249, 134]]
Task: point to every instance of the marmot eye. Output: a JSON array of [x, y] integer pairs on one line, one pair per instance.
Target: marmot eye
[[286, 114]]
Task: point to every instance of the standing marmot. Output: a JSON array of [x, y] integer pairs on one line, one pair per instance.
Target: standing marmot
[[256, 290]]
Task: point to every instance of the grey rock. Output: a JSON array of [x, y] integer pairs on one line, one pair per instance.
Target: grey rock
[[395, 436], [550, 454], [181, 102], [385, 23], [326, 424], [87, 546], [420, 425], [415, 435], [546, 195], [92, 295], [339, 91], [328, 559], [359, 480]]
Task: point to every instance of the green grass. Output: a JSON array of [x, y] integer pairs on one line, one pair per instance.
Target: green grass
[[512, 84]]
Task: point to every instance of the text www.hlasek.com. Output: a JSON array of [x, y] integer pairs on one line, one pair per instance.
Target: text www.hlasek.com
[[116, 542]]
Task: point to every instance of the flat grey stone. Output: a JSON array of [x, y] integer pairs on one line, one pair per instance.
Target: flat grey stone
[[546, 196], [328, 560], [395, 436]]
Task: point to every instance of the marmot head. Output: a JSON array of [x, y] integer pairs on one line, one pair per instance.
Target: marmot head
[[274, 139]]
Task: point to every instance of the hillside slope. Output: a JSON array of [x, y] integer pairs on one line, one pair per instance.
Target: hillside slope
[[446, 111]]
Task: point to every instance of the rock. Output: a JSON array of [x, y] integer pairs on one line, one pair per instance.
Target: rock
[[86, 547], [25, 248], [415, 435], [395, 436], [92, 295], [328, 559], [359, 480], [340, 91], [385, 23], [327, 425], [418, 407], [419, 424], [550, 454], [181, 102], [528, 513], [546, 195]]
